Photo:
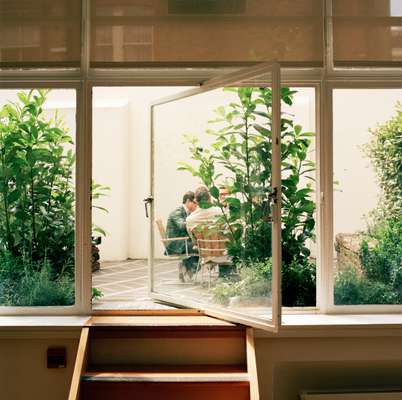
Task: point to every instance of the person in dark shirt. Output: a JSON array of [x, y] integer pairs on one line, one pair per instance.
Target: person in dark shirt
[[176, 227]]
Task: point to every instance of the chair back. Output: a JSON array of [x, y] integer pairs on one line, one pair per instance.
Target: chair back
[[211, 242], [161, 229]]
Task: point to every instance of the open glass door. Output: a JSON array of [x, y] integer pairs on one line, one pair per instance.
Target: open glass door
[[215, 215]]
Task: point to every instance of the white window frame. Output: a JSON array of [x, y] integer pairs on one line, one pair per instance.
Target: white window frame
[[84, 79]]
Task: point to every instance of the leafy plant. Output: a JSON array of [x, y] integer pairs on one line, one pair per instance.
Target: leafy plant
[[36, 184], [385, 153], [96, 294], [380, 281], [354, 288], [240, 159], [37, 199], [22, 284], [254, 281]]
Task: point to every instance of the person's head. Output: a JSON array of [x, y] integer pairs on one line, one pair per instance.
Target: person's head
[[189, 202], [202, 195], [223, 193]]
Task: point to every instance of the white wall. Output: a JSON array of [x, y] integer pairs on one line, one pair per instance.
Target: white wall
[[355, 113]]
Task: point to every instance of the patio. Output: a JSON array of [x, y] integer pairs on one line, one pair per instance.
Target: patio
[[124, 284]]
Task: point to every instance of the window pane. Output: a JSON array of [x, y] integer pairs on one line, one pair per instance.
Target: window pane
[[367, 32], [37, 197], [212, 208], [43, 33], [299, 248], [120, 228], [367, 196], [127, 33]]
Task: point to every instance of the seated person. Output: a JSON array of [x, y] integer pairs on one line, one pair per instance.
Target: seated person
[[202, 215], [176, 227]]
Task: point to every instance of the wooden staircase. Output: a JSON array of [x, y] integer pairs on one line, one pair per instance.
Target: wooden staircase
[[164, 357]]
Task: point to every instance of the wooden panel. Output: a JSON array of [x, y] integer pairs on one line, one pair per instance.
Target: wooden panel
[[157, 321], [165, 391], [252, 365], [163, 376], [79, 366], [150, 332]]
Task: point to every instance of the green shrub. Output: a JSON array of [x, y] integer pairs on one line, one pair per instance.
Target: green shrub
[[254, 281], [385, 153], [24, 284], [36, 184], [299, 283], [352, 288], [242, 148], [382, 262]]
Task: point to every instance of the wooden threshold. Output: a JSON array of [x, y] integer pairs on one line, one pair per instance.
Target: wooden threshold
[[157, 321], [178, 311], [163, 368]]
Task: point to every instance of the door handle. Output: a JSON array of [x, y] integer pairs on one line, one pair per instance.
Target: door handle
[[147, 201]]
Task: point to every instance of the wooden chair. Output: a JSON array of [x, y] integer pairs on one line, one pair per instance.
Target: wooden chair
[[212, 250], [165, 241]]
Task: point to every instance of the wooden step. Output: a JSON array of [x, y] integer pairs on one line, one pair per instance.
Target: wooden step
[[123, 390], [166, 373], [164, 357]]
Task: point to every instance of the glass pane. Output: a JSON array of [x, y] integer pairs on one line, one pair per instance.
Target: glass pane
[[37, 197], [198, 32], [367, 196], [367, 32], [299, 208], [121, 180], [44, 33], [212, 208]]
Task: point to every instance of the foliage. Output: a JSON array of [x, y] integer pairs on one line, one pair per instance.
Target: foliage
[[299, 283], [96, 294], [254, 281], [352, 288], [36, 190], [240, 159], [382, 262], [98, 191], [22, 284], [37, 205], [385, 153], [380, 281]]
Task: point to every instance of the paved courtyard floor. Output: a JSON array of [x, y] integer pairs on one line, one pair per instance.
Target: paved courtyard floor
[[124, 284]]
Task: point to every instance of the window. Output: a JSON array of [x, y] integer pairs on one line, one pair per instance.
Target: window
[[367, 196], [146, 35]]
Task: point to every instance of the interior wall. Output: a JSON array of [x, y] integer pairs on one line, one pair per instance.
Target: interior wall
[[23, 372], [285, 366]]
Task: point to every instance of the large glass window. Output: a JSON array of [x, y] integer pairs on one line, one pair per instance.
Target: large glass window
[[367, 196], [37, 197]]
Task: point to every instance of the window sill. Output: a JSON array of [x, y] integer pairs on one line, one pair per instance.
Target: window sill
[[293, 325]]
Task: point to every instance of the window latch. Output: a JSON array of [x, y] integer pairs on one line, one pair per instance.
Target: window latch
[[147, 202]]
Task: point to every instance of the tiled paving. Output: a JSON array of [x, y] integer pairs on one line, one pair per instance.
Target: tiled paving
[[125, 284]]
